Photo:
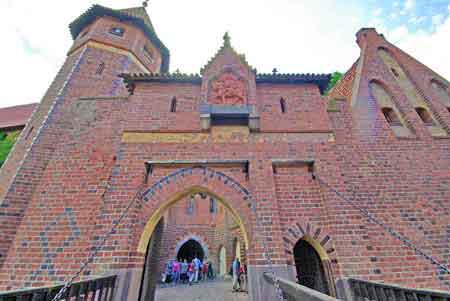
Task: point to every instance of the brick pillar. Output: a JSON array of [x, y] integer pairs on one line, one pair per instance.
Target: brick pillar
[[267, 228]]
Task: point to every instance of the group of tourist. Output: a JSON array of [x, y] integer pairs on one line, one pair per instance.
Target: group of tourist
[[192, 272], [187, 272]]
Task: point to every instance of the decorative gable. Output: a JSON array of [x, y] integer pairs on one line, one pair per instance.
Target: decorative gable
[[228, 90]]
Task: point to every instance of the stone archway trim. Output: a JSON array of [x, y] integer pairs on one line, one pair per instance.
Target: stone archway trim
[[313, 235], [172, 178]]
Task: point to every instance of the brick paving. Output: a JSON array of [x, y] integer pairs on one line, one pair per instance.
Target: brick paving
[[210, 291]]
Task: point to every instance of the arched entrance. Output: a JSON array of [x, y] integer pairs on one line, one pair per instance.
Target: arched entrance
[[171, 189], [191, 249], [310, 271], [222, 261]]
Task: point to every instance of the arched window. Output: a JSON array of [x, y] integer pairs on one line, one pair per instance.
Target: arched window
[[117, 31], [212, 205], [425, 116], [190, 205], [390, 116], [310, 271], [283, 105], [442, 91], [173, 105]]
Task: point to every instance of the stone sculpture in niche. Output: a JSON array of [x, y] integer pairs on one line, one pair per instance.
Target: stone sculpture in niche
[[228, 89]]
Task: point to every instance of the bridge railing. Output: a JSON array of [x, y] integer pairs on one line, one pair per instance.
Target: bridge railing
[[352, 289], [295, 292], [98, 289]]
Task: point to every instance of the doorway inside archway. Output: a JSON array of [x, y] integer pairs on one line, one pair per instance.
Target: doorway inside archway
[[222, 261], [191, 249], [310, 271], [198, 224]]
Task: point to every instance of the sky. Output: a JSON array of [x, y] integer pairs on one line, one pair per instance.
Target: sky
[[294, 36]]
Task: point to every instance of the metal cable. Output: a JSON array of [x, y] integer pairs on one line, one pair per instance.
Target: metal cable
[[387, 228], [99, 246]]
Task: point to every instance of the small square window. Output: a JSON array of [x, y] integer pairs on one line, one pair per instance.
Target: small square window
[[117, 31]]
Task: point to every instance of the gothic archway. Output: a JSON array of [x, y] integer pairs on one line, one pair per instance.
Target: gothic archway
[[191, 249], [222, 261], [310, 271], [169, 190]]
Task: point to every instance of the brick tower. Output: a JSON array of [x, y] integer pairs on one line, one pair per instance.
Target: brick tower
[[107, 42]]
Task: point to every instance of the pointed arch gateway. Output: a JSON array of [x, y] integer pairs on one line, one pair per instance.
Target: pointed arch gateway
[[172, 188]]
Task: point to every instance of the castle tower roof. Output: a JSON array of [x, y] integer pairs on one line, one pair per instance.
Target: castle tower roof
[[136, 16]]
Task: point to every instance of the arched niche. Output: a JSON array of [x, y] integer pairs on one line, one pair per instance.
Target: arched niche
[[389, 109], [312, 265], [442, 91]]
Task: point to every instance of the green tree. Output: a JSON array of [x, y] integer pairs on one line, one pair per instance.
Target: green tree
[[335, 77], [6, 144]]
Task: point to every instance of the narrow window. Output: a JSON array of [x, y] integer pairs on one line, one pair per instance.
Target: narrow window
[[117, 31], [190, 206], [395, 72], [282, 105], [212, 205], [173, 105], [100, 68], [390, 116], [425, 116]]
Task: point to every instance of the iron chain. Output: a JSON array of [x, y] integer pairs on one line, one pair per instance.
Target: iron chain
[[388, 229]]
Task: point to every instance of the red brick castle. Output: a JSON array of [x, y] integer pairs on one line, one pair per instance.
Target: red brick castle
[[311, 187]]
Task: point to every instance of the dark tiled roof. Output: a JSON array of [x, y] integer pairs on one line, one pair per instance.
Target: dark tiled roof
[[136, 16], [17, 116], [131, 79], [321, 80]]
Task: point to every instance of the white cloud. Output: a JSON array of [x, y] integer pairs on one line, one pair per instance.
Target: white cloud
[[293, 36], [430, 49], [409, 4], [437, 19], [417, 20], [377, 11]]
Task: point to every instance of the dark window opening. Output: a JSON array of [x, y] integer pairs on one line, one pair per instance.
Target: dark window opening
[[212, 205], [310, 270], [395, 72], [100, 68], [173, 105], [390, 116], [117, 31], [283, 105], [190, 206], [425, 116], [229, 121]]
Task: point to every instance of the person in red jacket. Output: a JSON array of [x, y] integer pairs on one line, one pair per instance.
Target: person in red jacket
[[205, 271]]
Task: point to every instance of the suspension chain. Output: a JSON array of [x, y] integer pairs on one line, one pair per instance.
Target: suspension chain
[[387, 228], [266, 253], [137, 197], [100, 245]]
